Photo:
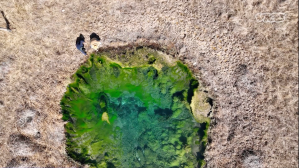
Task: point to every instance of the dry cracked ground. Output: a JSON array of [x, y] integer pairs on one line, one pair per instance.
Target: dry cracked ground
[[248, 65]]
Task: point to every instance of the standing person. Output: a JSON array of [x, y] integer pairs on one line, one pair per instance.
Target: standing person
[[80, 44], [95, 41]]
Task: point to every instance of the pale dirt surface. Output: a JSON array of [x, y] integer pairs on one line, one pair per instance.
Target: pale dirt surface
[[250, 69]]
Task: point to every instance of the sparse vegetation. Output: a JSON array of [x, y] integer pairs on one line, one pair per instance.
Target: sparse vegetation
[[254, 120]]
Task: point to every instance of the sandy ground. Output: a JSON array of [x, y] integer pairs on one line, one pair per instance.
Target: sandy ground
[[249, 66]]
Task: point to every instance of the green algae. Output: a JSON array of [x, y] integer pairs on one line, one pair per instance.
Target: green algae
[[147, 100]]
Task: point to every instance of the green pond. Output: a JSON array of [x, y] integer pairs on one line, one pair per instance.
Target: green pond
[[132, 109]]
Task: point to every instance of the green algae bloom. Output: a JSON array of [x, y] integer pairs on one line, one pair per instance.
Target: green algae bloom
[[133, 110]]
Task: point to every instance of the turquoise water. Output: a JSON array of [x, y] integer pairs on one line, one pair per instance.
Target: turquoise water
[[132, 116]]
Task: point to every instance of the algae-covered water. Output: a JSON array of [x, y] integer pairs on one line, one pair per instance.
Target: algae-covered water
[[128, 114]]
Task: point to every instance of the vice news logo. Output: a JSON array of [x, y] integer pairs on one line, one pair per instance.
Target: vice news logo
[[270, 17]]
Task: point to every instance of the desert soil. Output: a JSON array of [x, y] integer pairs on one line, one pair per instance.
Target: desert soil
[[249, 67]]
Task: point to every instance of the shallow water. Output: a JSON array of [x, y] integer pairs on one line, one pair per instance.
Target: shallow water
[[131, 117]]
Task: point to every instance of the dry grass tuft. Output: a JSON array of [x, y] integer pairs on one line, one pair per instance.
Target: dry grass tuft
[[250, 69]]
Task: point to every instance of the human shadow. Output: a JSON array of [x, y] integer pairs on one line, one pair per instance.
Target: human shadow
[[80, 44]]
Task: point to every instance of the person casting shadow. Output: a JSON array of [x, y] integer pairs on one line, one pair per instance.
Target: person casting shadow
[[95, 41], [94, 36], [80, 44]]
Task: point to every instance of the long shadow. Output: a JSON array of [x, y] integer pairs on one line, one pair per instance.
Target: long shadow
[[6, 20]]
